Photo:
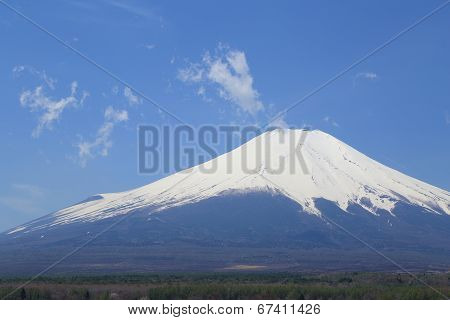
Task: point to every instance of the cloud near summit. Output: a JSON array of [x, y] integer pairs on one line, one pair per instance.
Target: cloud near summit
[[228, 72], [102, 142]]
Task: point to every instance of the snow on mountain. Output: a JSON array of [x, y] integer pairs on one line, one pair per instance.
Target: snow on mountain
[[272, 163]]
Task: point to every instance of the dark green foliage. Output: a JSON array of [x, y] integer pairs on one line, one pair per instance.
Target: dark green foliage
[[23, 294], [233, 286]]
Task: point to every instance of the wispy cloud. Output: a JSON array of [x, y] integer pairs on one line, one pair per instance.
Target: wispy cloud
[[115, 90], [49, 81], [366, 76], [39, 101], [49, 108], [229, 72], [131, 8], [201, 92], [149, 46], [102, 143], [331, 121], [127, 9], [447, 118], [193, 73], [28, 189], [23, 198], [132, 99]]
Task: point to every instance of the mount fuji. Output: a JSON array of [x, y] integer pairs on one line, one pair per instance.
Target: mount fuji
[[285, 200]]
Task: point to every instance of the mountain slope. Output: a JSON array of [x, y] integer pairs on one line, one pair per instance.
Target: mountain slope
[[321, 211], [334, 171]]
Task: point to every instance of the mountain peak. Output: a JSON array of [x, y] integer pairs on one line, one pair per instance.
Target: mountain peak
[[304, 165]]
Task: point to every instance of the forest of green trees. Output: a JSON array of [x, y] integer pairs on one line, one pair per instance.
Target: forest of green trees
[[233, 286]]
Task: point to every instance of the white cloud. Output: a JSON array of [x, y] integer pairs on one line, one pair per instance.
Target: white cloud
[[138, 11], [102, 143], [149, 46], [17, 70], [49, 109], [127, 13], [37, 100], [229, 72], [49, 81], [366, 75], [115, 90], [331, 121], [131, 97], [193, 73], [201, 92], [73, 88], [113, 115]]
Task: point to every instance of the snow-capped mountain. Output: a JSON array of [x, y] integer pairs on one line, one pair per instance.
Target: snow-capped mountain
[[301, 165], [285, 200]]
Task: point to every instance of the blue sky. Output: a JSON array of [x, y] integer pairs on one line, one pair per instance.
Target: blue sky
[[69, 130]]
